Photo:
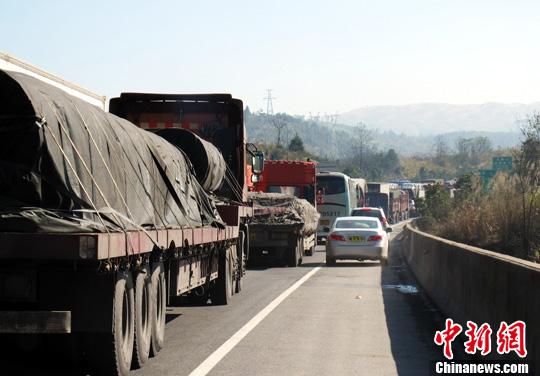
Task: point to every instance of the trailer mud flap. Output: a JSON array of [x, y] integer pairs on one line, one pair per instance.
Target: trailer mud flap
[[35, 322]]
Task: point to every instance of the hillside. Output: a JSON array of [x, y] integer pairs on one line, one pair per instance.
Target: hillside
[[335, 141]]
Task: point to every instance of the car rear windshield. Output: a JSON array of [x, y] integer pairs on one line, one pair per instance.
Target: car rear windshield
[[355, 223], [331, 185], [367, 213]]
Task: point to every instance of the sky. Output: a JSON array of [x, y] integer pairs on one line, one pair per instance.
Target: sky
[[317, 56]]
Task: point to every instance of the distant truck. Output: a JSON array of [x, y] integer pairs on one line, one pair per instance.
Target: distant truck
[[282, 228], [289, 240], [404, 205], [390, 198], [295, 178]]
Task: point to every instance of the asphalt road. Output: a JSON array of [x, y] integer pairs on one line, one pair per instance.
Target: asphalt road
[[355, 318], [352, 319]]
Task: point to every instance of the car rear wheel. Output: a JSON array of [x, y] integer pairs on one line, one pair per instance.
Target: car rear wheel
[[330, 261]]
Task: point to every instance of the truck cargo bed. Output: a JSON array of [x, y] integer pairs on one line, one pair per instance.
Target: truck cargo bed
[[99, 246]]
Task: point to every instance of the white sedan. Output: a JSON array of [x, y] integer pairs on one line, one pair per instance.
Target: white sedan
[[357, 238]]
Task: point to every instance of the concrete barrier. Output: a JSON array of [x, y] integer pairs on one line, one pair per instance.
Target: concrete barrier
[[469, 283]]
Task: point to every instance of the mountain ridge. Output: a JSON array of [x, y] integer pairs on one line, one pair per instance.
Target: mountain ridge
[[434, 117]]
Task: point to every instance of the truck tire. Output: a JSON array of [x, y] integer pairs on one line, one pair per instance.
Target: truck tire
[[158, 288], [292, 255], [143, 317], [241, 261], [112, 353], [310, 251], [223, 288]]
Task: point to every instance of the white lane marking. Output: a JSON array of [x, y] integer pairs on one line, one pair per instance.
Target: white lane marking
[[224, 349]]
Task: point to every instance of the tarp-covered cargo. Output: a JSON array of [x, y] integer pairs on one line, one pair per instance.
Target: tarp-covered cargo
[[68, 166], [206, 158], [282, 209]]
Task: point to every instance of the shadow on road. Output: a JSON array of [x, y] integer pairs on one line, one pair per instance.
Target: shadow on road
[[411, 318], [354, 264], [35, 355]]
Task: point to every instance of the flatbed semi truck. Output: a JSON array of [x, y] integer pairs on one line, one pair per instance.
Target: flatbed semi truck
[[103, 222]]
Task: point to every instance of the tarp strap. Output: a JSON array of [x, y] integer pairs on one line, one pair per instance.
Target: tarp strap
[[132, 219], [89, 172], [140, 180], [45, 126], [163, 195], [120, 219]]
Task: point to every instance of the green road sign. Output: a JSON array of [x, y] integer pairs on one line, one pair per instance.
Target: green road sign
[[502, 163]]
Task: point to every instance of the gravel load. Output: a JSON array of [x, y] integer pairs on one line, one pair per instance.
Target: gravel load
[[281, 209]]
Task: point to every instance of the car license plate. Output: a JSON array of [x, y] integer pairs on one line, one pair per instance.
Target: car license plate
[[324, 222], [356, 239]]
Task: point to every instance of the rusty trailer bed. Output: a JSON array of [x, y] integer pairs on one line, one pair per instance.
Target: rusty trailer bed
[[100, 246]]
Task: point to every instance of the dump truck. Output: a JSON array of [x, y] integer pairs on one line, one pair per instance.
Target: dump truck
[[294, 178], [282, 227], [103, 222]]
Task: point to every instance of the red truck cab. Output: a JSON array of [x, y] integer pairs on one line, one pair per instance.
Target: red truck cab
[[290, 177]]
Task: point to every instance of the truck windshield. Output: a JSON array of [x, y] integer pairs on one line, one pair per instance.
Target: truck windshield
[[331, 185]]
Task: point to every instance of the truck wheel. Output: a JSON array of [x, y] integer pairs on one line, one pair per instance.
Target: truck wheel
[[241, 262], [112, 353], [310, 251], [222, 290], [158, 300], [292, 254], [143, 322]]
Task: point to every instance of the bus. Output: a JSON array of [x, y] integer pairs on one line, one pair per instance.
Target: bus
[[337, 195]]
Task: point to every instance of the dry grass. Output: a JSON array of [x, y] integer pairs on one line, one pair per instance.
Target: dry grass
[[490, 219]]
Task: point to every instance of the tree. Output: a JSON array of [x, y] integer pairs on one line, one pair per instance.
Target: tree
[[470, 151], [279, 122], [441, 151], [527, 169], [296, 144], [391, 163], [362, 143]]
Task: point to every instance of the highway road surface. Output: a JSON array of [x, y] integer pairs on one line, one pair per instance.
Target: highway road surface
[[355, 318]]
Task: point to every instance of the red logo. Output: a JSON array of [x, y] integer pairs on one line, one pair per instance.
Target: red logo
[[447, 336], [509, 338], [512, 338], [479, 338]]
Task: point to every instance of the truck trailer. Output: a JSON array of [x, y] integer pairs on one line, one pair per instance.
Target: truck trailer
[[103, 222]]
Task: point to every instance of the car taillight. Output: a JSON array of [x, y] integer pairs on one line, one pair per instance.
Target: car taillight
[[374, 238], [338, 237]]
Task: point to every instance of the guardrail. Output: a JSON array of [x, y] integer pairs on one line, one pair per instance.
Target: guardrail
[[470, 283]]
